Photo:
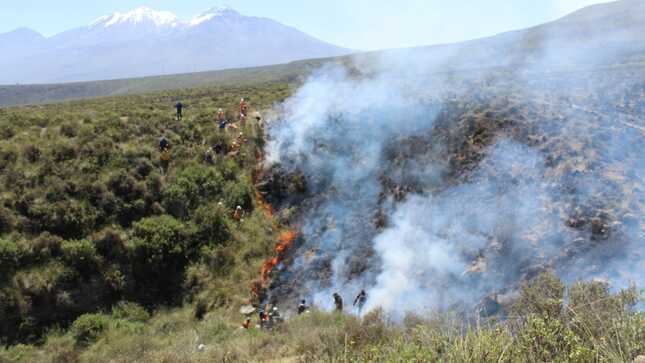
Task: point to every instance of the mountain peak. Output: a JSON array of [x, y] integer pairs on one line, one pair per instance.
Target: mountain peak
[[22, 34], [215, 12], [142, 14]]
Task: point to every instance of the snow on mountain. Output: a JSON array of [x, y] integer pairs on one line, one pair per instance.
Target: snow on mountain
[[219, 11], [139, 15], [147, 42]]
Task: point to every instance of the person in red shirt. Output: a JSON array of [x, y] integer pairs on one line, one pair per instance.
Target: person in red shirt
[[243, 109]]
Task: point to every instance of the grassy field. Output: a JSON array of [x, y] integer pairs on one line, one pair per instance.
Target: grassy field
[[37, 94], [88, 217]]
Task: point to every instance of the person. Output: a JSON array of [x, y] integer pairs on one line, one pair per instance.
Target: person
[[274, 316], [221, 120], [208, 157], [247, 324], [179, 106], [165, 159], [360, 300], [237, 215], [163, 143], [262, 317], [241, 139], [302, 307], [235, 147], [338, 301], [218, 148], [243, 108]]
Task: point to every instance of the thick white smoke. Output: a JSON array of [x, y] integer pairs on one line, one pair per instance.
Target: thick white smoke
[[448, 240]]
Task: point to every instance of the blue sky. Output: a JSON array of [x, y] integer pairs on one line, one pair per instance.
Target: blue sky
[[357, 24]]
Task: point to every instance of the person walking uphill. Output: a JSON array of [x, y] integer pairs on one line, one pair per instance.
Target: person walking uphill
[[164, 150], [179, 107]]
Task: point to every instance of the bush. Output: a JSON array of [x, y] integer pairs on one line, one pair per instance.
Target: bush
[[110, 244], [68, 129], [31, 153], [240, 193], [212, 224], [69, 218], [87, 328], [542, 296], [80, 254], [194, 186], [6, 220], [8, 257], [63, 152], [160, 246], [42, 248], [130, 311], [219, 259], [7, 157]]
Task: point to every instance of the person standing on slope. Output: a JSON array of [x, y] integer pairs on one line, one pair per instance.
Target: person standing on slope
[[360, 300], [179, 107], [221, 119], [338, 302], [243, 109], [302, 307]]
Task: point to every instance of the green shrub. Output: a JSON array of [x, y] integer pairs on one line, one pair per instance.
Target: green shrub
[[88, 327], [212, 224], [41, 248], [31, 153], [130, 311], [194, 186], [8, 258], [7, 157], [80, 254], [68, 129], [220, 260], [542, 296], [69, 218], [160, 246], [240, 193], [63, 152], [7, 220], [110, 244]]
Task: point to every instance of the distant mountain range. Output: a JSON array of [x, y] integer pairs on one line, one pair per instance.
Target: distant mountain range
[[147, 42], [607, 35]]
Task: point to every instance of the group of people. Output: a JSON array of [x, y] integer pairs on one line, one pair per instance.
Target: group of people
[[269, 317], [217, 149], [359, 301], [221, 115]]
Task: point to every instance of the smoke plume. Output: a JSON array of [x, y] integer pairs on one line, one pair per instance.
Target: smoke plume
[[435, 191]]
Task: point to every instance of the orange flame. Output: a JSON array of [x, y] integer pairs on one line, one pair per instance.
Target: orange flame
[[285, 240], [286, 243]]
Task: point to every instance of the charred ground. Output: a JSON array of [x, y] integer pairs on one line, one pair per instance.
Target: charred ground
[[586, 128]]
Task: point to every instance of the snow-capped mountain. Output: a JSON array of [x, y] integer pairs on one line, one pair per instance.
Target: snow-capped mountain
[[145, 42], [139, 16]]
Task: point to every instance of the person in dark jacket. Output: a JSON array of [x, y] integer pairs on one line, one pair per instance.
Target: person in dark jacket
[[302, 307], [338, 302], [179, 106], [360, 300], [163, 144]]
